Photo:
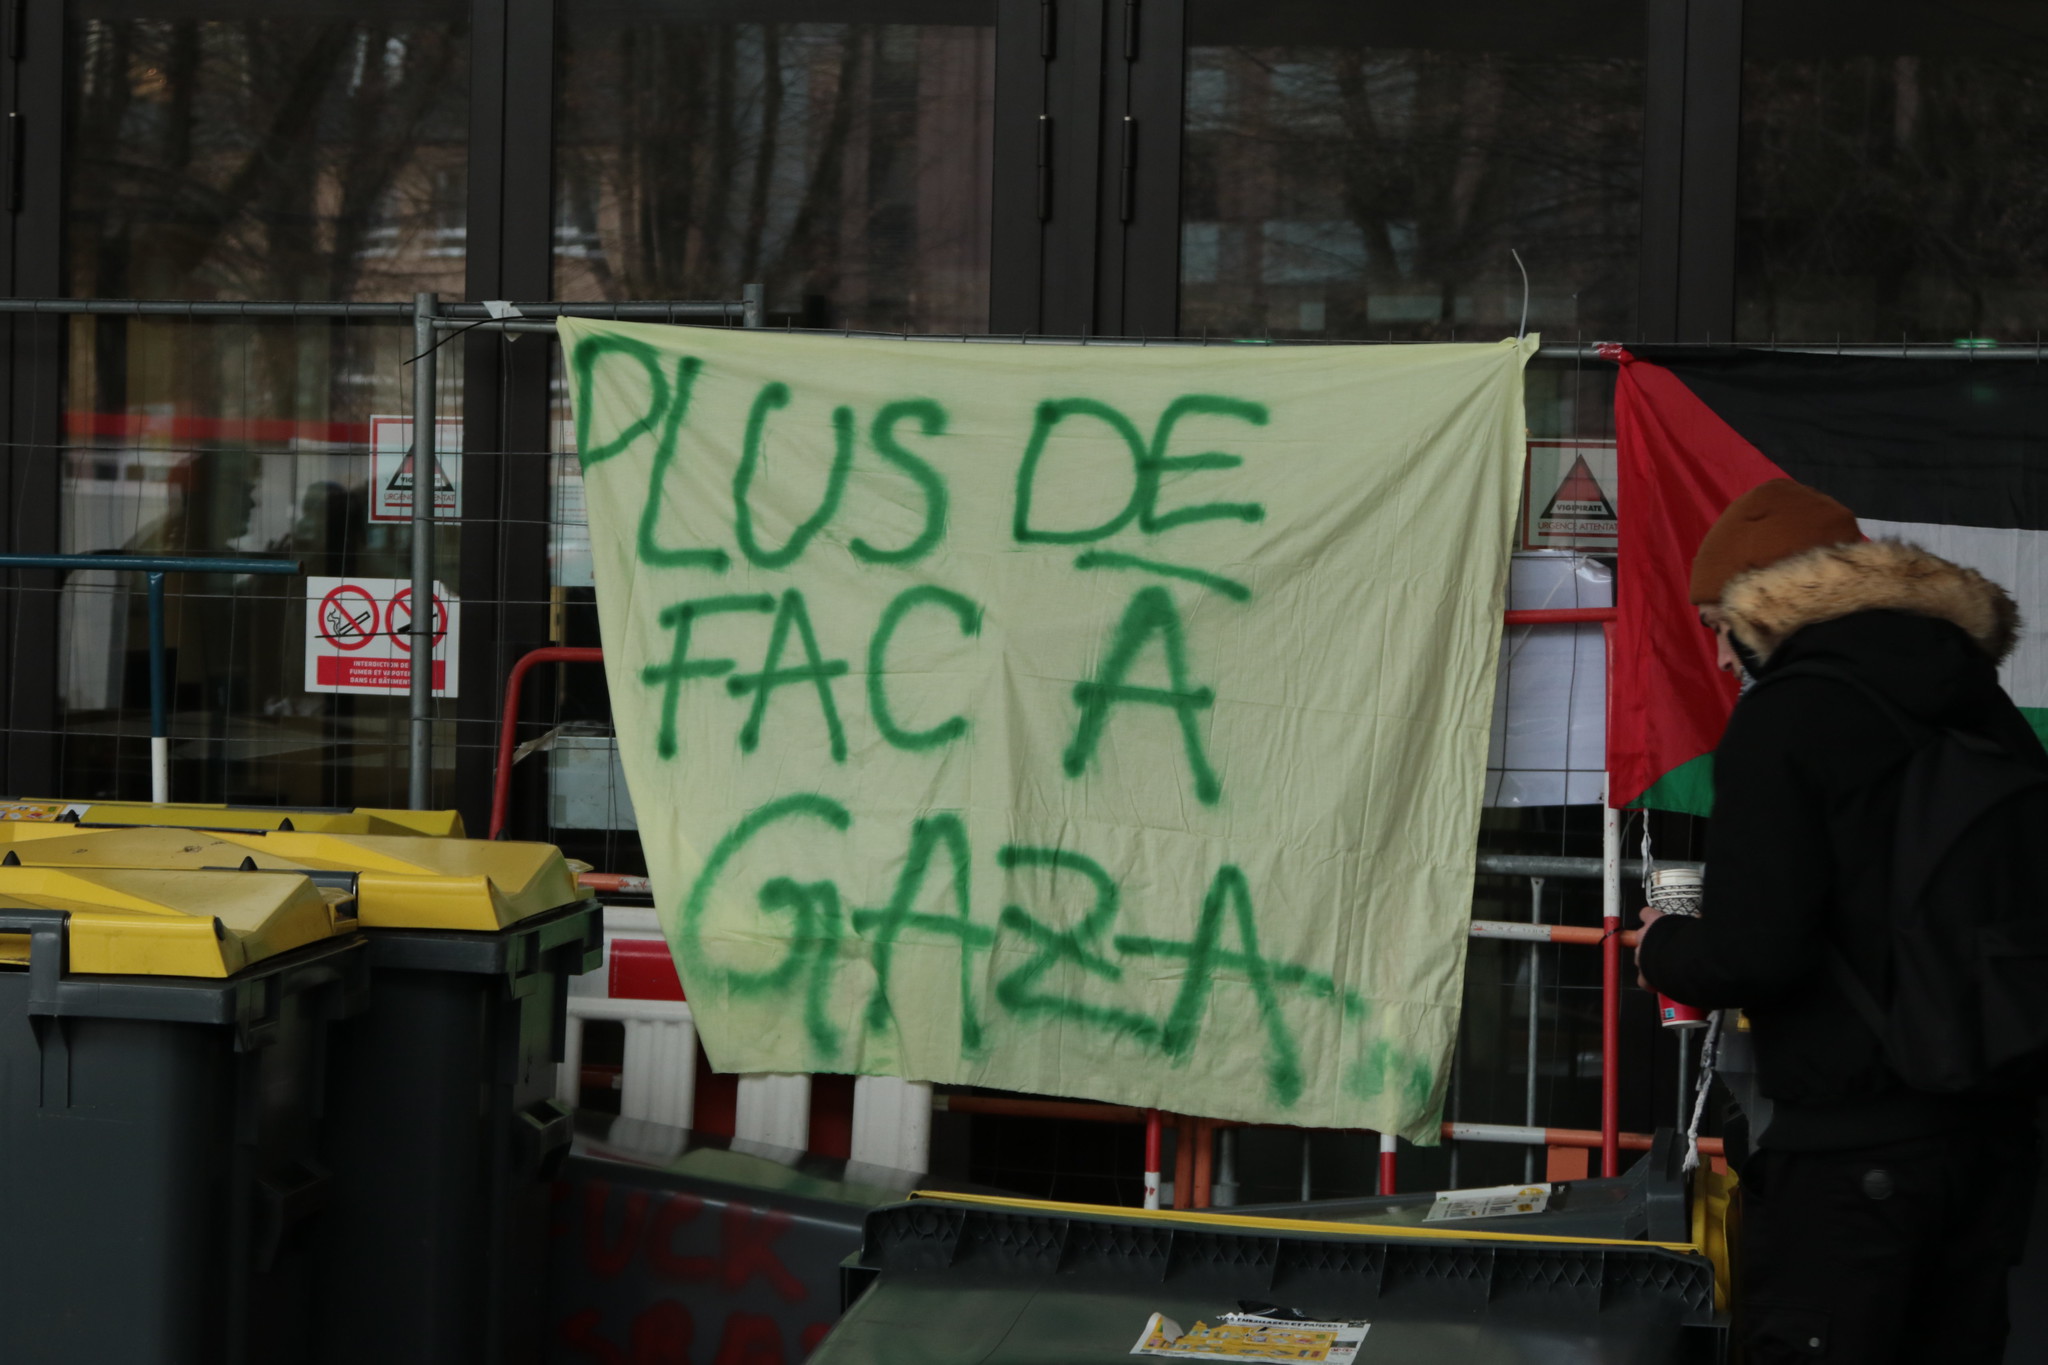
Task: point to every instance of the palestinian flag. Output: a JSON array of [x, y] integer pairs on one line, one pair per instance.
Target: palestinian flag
[[1949, 454]]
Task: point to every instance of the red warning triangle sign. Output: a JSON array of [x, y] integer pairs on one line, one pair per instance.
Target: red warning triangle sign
[[1579, 497], [401, 482]]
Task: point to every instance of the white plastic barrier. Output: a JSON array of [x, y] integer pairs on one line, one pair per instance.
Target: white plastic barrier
[[892, 1123], [658, 1078], [774, 1110]]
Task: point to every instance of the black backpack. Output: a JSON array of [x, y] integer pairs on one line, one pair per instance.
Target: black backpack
[[1968, 1004]]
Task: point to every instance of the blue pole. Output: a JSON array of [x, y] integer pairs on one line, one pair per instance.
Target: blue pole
[[156, 566], [152, 563]]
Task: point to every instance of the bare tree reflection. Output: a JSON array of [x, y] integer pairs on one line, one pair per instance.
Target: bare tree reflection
[[844, 165], [1361, 192], [1885, 196], [283, 157], [266, 158]]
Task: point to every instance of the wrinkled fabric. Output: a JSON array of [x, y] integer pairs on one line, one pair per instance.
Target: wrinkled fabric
[[1093, 721]]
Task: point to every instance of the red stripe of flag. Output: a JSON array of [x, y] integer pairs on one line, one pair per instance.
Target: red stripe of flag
[[1680, 465]]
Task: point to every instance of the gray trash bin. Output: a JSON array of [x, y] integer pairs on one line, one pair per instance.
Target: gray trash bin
[[443, 1133], [986, 1282], [159, 1128], [441, 1128]]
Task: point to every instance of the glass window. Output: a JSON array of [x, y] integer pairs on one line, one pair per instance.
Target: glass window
[[227, 151], [220, 150], [207, 449], [844, 165], [1894, 174], [1351, 173]]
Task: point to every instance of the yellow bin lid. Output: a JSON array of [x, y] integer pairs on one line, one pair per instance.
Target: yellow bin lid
[[135, 922], [403, 882], [28, 819]]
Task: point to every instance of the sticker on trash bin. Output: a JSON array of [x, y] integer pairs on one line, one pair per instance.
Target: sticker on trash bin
[[359, 637], [1252, 1336], [40, 810], [1497, 1201]]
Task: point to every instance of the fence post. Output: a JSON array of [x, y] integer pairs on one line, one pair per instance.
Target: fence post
[[1535, 1027], [425, 466], [1610, 986]]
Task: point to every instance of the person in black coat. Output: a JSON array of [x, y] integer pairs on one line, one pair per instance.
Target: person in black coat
[[1877, 1222]]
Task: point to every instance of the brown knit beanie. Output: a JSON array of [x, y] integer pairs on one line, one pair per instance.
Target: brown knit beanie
[[1770, 522]]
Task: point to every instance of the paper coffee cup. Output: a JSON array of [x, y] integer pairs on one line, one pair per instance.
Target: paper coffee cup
[[1674, 1015], [1677, 891]]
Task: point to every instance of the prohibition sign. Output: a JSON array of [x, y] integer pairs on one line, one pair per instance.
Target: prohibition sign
[[401, 607], [345, 622]]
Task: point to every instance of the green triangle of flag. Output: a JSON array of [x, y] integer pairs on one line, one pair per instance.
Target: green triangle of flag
[[1687, 789]]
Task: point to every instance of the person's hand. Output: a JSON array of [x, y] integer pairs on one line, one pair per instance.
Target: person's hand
[[1648, 917]]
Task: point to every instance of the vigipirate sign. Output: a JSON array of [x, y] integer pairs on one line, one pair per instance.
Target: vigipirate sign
[[1568, 496]]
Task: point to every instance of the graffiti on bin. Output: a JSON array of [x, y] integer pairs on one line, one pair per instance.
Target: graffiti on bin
[[670, 1277]]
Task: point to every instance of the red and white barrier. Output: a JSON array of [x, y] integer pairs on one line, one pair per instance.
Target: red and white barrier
[[891, 1118], [638, 987]]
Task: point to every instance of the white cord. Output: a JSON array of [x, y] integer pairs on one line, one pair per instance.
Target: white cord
[[1710, 1048], [1523, 329]]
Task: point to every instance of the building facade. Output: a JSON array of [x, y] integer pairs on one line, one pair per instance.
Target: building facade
[[1292, 170]]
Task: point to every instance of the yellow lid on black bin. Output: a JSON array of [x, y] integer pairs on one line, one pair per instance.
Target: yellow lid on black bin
[[28, 819], [143, 922], [402, 882]]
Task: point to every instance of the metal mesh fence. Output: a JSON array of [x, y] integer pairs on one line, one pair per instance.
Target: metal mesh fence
[[287, 437], [225, 437]]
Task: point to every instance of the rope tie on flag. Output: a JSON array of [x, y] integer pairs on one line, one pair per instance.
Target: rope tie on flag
[[1710, 1045], [1710, 1054]]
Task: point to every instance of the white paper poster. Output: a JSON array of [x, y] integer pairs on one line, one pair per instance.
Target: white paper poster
[[1253, 1336], [1548, 745], [569, 528], [1495, 1201]]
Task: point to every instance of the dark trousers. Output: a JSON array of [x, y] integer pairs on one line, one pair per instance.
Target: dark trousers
[[1893, 1253]]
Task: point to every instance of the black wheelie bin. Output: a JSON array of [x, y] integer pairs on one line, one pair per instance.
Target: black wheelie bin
[[442, 1132], [162, 1037]]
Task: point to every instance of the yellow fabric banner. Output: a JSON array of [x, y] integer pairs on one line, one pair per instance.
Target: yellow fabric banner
[[1080, 720]]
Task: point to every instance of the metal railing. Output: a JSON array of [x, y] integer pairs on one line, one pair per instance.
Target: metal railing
[[508, 726], [1610, 938], [431, 319], [156, 566]]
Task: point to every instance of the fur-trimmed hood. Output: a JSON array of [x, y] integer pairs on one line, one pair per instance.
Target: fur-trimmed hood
[[1766, 606]]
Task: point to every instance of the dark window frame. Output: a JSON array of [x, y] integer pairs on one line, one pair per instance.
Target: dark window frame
[[1103, 259]]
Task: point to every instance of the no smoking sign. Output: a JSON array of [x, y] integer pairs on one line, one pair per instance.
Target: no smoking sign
[[348, 618], [359, 637], [398, 619]]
